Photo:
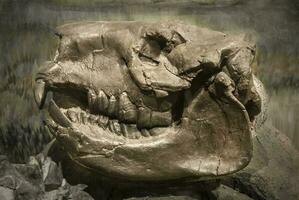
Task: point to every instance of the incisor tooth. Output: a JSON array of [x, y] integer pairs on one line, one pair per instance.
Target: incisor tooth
[[102, 102], [127, 110], [40, 93], [113, 107]]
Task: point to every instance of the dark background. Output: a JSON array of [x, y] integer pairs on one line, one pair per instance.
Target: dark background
[[27, 39]]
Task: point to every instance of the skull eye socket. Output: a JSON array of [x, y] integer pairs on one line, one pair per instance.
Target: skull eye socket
[[150, 52], [154, 44]]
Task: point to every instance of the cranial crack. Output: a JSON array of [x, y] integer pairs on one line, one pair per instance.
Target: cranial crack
[[218, 166]]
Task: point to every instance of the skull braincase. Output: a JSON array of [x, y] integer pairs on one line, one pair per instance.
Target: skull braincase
[[151, 101]]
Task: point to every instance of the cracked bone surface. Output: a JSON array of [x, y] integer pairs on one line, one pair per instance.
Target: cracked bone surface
[[151, 101]]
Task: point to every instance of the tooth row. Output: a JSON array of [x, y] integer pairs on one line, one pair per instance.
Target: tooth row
[[114, 126], [124, 110]]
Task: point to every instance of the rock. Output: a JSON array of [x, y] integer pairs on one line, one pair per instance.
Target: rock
[[36, 181], [164, 198], [221, 193], [27, 190], [6, 194], [273, 173], [52, 174], [226, 193]]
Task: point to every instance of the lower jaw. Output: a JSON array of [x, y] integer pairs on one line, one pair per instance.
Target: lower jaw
[[105, 153], [178, 152]]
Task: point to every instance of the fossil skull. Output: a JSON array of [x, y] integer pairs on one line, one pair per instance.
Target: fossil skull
[[151, 101]]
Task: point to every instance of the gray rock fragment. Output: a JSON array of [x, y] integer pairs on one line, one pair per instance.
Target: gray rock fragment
[[39, 179], [52, 175], [227, 193], [6, 194], [273, 173]]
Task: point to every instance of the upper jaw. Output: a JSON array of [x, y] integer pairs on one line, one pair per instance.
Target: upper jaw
[[102, 113], [188, 140]]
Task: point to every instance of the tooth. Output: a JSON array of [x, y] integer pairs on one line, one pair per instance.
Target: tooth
[[51, 125], [91, 100], [84, 118], [57, 115], [137, 134], [124, 129], [110, 126], [157, 131], [132, 131], [160, 93], [72, 115], [165, 106], [93, 119], [112, 108], [79, 118], [127, 110], [102, 102], [103, 121], [145, 133], [116, 126], [144, 117], [161, 118], [40, 93]]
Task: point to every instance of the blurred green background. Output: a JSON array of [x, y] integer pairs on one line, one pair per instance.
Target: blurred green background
[[27, 39]]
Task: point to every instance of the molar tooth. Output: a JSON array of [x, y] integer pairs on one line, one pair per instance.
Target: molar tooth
[[127, 110], [137, 134], [161, 118], [72, 115], [133, 132], [156, 131], [113, 107], [145, 133], [144, 117], [102, 102], [91, 97], [165, 106], [103, 121]]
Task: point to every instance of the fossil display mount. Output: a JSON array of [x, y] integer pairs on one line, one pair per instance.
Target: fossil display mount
[[144, 101]]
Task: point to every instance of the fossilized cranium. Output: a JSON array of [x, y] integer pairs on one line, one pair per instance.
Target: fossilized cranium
[[151, 101]]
